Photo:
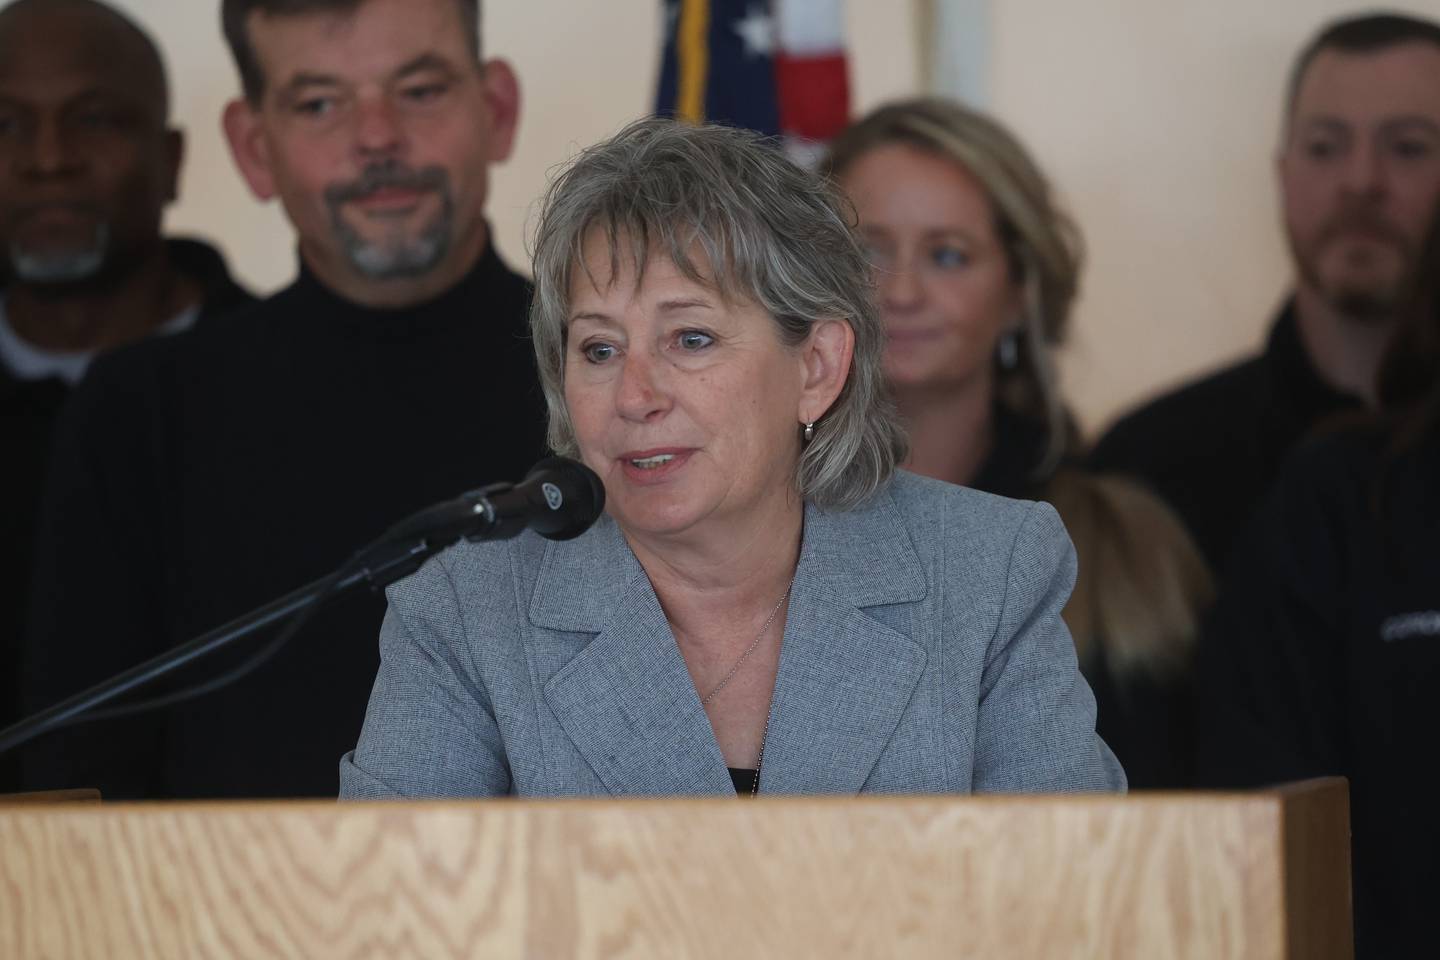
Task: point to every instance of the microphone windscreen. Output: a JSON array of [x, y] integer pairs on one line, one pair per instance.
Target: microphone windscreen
[[567, 497]]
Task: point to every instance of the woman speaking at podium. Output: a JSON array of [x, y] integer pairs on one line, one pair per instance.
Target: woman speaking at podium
[[768, 605]]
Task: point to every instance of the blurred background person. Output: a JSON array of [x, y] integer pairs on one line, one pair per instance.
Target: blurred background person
[[1324, 654], [975, 272], [88, 164], [765, 593], [198, 478], [1359, 174]]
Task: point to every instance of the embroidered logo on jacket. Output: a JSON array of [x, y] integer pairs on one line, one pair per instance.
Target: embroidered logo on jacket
[[1406, 626]]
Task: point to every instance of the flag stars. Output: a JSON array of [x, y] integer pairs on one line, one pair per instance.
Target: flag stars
[[757, 30]]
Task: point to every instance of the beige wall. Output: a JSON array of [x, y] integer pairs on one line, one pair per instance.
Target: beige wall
[[1156, 118]]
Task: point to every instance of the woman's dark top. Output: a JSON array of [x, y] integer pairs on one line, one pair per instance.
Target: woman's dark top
[[744, 780]]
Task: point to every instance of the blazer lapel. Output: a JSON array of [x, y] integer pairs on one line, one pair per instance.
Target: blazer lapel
[[626, 699], [845, 678]]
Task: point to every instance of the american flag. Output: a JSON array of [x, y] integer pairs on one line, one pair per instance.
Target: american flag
[[776, 66]]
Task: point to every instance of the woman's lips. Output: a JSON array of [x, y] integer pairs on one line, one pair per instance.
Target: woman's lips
[[654, 465]]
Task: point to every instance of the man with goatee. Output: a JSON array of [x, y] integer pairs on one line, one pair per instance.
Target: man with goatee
[[393, 373]]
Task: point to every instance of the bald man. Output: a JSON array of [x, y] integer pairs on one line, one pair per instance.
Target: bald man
[[88, 163]]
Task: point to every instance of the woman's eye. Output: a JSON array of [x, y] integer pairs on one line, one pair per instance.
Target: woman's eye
[[1321, 149], [694, 340], [598, 352], [949, 258]]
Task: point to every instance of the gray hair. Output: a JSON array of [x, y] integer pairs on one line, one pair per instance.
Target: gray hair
[[732, 213]]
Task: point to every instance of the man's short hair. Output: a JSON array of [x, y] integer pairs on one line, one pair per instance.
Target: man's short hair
[[142, 45], [1365, 34], [235, 16]]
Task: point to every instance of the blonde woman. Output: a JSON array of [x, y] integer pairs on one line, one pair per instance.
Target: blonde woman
[[975, 272]]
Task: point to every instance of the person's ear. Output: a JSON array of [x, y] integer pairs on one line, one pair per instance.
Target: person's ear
[[825, 361], [248, 146], [174, 163], [502, 106]]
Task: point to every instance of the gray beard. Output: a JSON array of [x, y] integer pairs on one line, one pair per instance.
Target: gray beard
[[68, 266], [395, 256], [398, 257]]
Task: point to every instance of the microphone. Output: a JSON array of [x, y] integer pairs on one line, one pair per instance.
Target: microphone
[[559, 499]]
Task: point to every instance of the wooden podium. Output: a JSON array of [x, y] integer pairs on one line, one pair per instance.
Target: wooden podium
[[1149, 876]]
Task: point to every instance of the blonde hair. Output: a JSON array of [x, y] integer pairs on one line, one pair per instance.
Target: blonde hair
[[1042, 244], [1142, 582]]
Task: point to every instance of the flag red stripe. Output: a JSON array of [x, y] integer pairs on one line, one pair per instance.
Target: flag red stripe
[[814, 95]]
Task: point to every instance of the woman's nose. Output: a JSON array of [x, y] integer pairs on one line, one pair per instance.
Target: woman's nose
[[642, 394], [900, 287]]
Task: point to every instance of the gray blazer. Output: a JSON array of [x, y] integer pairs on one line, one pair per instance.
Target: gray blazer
[[923, 653]]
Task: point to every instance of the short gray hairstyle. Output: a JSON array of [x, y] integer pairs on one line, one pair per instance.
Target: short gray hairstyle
[[732, 213]]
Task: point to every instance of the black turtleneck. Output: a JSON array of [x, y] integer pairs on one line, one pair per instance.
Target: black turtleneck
[[199, 477], [28, 412]]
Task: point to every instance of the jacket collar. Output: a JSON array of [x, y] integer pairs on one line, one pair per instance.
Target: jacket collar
[[1299, 396], [626, 698]]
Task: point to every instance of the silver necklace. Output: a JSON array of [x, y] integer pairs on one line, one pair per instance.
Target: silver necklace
[[705, 700], [760, 760]]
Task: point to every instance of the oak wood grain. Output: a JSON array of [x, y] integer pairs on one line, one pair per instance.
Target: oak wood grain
[[1152, 876]]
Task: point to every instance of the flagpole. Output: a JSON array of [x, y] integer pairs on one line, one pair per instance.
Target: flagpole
[[924, 39], [952, 41]]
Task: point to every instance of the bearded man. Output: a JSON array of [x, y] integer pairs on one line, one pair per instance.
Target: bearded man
[[1359, 173]]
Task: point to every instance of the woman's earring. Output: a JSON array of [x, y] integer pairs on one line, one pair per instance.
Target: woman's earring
[[809, 431], [1007, 351]]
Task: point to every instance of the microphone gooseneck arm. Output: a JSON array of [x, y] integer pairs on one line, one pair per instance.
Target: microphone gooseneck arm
[[381, 571], [561, 498]]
